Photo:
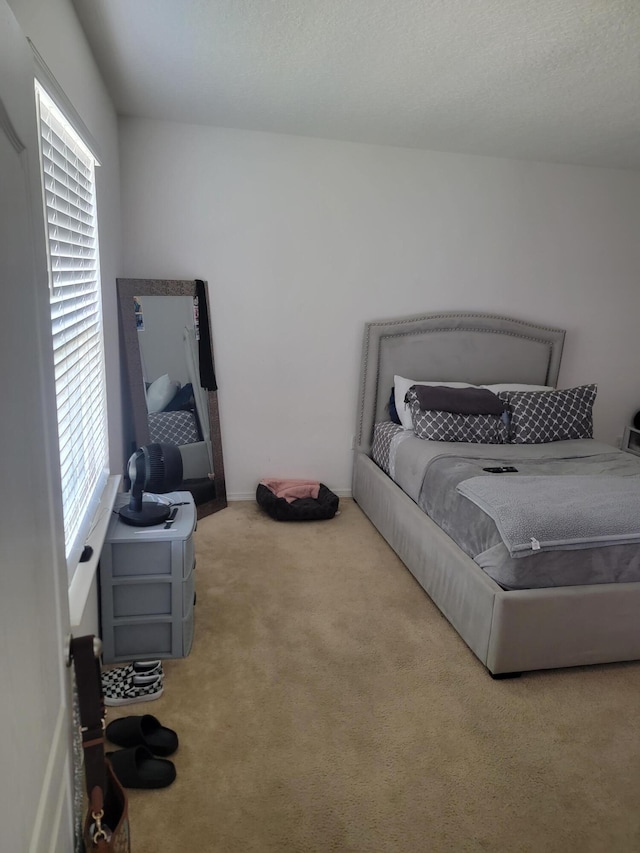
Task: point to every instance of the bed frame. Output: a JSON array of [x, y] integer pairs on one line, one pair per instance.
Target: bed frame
[[509, 631]]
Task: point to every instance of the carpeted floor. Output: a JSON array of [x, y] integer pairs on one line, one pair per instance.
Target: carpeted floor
[[328, 706]]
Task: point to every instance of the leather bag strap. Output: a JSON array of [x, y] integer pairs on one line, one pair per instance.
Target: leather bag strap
[[92, 719]]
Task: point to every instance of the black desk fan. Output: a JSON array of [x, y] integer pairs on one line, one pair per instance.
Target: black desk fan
[[154, 468]]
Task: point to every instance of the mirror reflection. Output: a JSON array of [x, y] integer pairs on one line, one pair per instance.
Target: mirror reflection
[[172, 387], [176, 402]]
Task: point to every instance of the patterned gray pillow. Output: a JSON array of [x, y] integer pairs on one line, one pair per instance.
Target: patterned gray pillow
[[447, 426], [538, 417], [383, 434]]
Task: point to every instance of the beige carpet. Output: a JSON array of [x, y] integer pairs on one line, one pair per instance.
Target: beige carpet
[[328, 706]]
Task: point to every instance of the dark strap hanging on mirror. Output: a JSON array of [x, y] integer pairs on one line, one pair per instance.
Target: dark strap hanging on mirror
[[205, 350]]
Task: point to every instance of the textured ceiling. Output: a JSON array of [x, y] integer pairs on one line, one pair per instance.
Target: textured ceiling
[[551, 80]]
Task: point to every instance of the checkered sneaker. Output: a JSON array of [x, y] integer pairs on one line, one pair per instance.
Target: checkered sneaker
[[110, 677], [135, 688]]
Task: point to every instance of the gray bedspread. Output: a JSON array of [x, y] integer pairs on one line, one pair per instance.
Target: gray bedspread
[[560, 512], [431, 471]]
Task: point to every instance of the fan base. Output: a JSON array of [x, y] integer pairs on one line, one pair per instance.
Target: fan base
[[149, 515]]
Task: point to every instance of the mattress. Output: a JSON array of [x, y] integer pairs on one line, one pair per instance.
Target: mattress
[[429, 473]]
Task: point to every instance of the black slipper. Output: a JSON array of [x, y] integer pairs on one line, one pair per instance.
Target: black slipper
[[143, 731], [137, 768]]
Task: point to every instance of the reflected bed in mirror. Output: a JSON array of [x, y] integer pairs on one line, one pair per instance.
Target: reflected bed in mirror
[[171, 383]]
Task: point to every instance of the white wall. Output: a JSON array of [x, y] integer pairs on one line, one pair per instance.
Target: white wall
[[303, 240]]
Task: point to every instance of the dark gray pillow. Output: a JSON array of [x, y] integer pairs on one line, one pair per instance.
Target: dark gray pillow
[[449, 426], [538, 417], [459, 401]]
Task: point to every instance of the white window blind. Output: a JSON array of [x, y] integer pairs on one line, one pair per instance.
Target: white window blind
[[68, 179]]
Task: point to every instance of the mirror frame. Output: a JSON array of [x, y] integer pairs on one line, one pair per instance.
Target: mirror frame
[[134, 386]]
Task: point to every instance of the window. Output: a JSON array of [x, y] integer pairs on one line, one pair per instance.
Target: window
[[68, 183]]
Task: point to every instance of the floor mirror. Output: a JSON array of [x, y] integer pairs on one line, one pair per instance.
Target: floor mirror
[[171, 390]]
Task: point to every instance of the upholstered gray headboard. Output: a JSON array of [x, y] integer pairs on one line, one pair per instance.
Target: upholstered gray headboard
[[477, 348]]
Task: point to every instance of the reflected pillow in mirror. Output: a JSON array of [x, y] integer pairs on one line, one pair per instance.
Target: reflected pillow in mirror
[[182, 400], [160, 393]]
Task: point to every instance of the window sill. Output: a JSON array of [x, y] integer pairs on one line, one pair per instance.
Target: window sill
[[82, 580]]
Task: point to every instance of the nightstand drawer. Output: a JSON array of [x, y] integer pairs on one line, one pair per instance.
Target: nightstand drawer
[[142, 599], [151, 598], [157, 638]]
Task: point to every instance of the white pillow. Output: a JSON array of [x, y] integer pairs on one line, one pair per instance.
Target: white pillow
[[400, 388], [160, 393], [511, 386]]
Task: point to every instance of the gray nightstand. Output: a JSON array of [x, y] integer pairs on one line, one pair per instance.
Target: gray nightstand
[[147, 586]]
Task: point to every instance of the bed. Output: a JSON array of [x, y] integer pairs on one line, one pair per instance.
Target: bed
[[509, 630]]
